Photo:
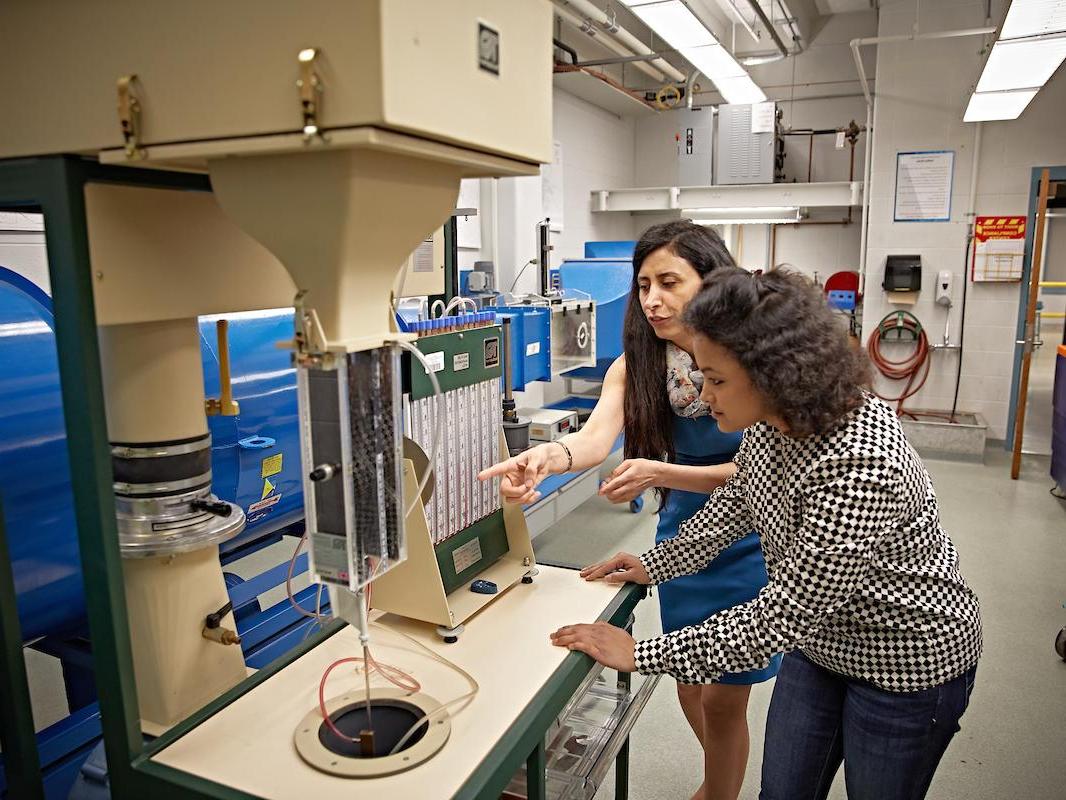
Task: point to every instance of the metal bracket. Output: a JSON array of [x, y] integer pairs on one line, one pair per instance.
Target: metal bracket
[[129, 116], [309, 343], [311, 90]]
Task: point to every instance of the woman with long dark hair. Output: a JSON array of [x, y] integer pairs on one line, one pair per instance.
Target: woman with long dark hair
[[881, 631], [673, 445]]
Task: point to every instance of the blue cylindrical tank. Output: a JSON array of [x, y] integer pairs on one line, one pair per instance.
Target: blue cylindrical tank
[[255, 455]]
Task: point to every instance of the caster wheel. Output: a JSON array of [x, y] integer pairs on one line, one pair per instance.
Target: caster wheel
[[636, 506], [1060, 644], [451, 639], [527, 579]]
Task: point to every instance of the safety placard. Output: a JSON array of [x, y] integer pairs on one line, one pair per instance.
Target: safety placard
[[923, 186], [998, 248], [272, 465]]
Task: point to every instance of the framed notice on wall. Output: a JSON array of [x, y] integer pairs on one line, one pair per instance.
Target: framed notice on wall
[[998, 248], [923, 186]]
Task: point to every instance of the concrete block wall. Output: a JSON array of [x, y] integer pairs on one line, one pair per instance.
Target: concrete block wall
[[922, 90]]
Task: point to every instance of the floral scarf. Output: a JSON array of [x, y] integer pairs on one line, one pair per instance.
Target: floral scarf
[[683, 383]]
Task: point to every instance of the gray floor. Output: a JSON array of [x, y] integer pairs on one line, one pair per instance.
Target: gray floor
[[1012, 539]]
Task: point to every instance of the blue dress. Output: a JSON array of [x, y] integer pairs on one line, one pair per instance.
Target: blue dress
[[738, 573]]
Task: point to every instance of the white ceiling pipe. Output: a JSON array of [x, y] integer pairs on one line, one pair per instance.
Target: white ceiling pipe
[[586, 26], [868, 156], [606, 22]]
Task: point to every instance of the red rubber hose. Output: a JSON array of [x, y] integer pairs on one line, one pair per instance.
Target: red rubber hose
[[914, 369]]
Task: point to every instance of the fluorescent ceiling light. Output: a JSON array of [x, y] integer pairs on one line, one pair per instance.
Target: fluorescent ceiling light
[[988, 106], [777, 215], [1021, 65], [742, 221], [675, 22], [1033, 18], [683, 30], [741, 211], [1030, 48], [740, 90], [715, 59]]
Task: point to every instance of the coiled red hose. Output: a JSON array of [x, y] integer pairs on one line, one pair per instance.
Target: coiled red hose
[[914, 369]]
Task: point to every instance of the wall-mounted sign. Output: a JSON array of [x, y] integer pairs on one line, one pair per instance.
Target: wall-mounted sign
[[998, 248], [923, 186]]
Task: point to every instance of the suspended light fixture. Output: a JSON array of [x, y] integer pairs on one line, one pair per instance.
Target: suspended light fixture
[[755, 215], [675, 22], [1031, 46]]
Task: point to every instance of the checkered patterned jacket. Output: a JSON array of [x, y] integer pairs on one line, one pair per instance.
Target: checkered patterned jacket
[[863, 579]]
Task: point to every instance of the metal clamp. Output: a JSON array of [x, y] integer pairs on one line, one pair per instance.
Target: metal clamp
[[311, 89], [309, 343], [129, 116]]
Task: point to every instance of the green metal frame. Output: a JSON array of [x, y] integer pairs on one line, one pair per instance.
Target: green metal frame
[[491, 531], [55, 187], [470, 343], [21, 760]]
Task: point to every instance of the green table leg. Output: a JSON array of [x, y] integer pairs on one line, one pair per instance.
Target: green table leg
[[621, 762], [22, 764], [536, 779]]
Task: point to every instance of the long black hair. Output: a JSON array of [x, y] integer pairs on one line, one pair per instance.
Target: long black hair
[[648, 416], [792, 346]]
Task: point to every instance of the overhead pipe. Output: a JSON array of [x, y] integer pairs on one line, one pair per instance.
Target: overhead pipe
[[868, 156], [690, 86], [608, 24], [560, 44], [585, 25], [765, 20]]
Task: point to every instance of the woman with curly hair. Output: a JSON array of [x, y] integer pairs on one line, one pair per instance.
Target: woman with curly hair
[[672, 444], [865, 596]]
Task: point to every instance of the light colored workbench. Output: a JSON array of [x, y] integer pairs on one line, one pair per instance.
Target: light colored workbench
[[524, 680]]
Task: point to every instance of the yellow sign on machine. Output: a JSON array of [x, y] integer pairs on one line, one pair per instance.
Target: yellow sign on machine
[[272, 465]]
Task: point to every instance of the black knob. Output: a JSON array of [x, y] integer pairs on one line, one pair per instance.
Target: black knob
[[324, 472], [216, 507]]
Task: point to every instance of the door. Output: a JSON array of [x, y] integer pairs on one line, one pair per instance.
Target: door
[[1045, 189]]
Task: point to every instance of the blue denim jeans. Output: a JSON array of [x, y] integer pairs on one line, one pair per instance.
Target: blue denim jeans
[[890, 742]]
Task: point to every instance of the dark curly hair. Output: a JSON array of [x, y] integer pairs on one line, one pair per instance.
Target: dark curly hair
[[792, 346], [646, 403]]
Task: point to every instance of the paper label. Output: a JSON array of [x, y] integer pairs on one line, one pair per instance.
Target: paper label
[[532, 349], [436, 360], [460, 361], [466, 556]]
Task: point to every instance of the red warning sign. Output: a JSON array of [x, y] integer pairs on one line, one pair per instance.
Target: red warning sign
[[999, 248]]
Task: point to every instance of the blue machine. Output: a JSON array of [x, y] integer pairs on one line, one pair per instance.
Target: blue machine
[[605, 274], [34, 468], [255, 464], [530, 343]]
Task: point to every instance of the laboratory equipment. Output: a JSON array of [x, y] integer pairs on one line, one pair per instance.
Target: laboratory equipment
[[466, 533], [254, 455], [549, 424], [337, 175], [606, 275]]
